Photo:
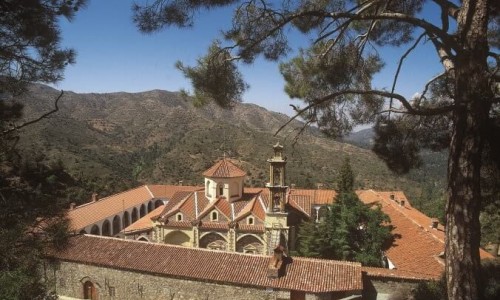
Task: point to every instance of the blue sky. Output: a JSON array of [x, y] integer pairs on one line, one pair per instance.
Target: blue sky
[[113, 56]]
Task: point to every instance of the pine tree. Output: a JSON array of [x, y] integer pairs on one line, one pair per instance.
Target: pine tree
[[351, 230], [345, 182], [31, 193]]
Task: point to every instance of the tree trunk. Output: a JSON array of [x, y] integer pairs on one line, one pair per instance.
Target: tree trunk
[[473, 101], [463, 206]]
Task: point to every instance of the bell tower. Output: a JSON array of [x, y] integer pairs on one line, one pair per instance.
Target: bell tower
[[276, 216]]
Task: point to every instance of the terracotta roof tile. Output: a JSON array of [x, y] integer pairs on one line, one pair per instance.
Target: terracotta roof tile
[[179, 224], [316, 196], [395, 273], [92, 212], [167, 191], [224, 168], [309, 275], [173, 205], [144, 223], [214, 225], [417, 247], [221, 205], [251, 228], [253, 207]]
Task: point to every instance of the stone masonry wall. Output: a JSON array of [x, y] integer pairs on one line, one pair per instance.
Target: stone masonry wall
[[67, 279], [379, 288]]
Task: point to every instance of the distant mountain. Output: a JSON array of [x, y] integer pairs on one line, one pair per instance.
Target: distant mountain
[[363, 138], [117, 140]]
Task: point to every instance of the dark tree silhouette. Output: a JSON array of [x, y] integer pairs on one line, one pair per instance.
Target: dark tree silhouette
[[31, 192]]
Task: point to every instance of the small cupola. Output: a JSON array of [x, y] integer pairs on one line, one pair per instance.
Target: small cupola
[[224, 179]]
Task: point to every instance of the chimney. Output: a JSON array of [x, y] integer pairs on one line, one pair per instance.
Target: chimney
[[434, 223], [180, 182], [94, 197], [72, 205], [276, 262], [292, 185]]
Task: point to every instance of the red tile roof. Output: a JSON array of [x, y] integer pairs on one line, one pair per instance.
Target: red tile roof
[[224, 169], [251, 228], [417, 247], [395, 273], [167, 191], [92, 212], [303, 274], [144, 223]]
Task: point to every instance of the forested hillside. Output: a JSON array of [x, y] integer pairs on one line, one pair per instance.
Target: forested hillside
[[109, 142]]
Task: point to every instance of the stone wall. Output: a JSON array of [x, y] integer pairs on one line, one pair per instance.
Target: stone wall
[[68, 279], [382, 289]]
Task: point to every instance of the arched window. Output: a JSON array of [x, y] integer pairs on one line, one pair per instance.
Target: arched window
[[178, 217], [214, 216], [221, 190], [250, 220], [208, 188]]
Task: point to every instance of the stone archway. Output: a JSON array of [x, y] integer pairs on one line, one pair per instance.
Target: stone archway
[[135, 217], [250, 244], [95, 230], [142, 212], [214, 241], [126, 219], [116, 225], [83, 231], [178, 238], [150, 206], [106, 228], [158, 203], [89, 291]]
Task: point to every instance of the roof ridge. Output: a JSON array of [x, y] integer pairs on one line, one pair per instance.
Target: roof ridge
[[147, 188], [420, 226], [177, 206], [107, 197]]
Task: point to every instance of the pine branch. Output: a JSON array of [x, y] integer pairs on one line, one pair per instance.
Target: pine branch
[[406, 104], [45, 115]]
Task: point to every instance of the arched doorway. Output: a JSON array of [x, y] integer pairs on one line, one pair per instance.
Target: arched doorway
[[134, 215], [143, 211], [106, 228], [89, 291], [95, 230], [83, 231], [126, 219], [150, 206], [116, 225]]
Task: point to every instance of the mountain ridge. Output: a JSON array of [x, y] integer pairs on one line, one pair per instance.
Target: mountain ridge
[[118, 140]]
